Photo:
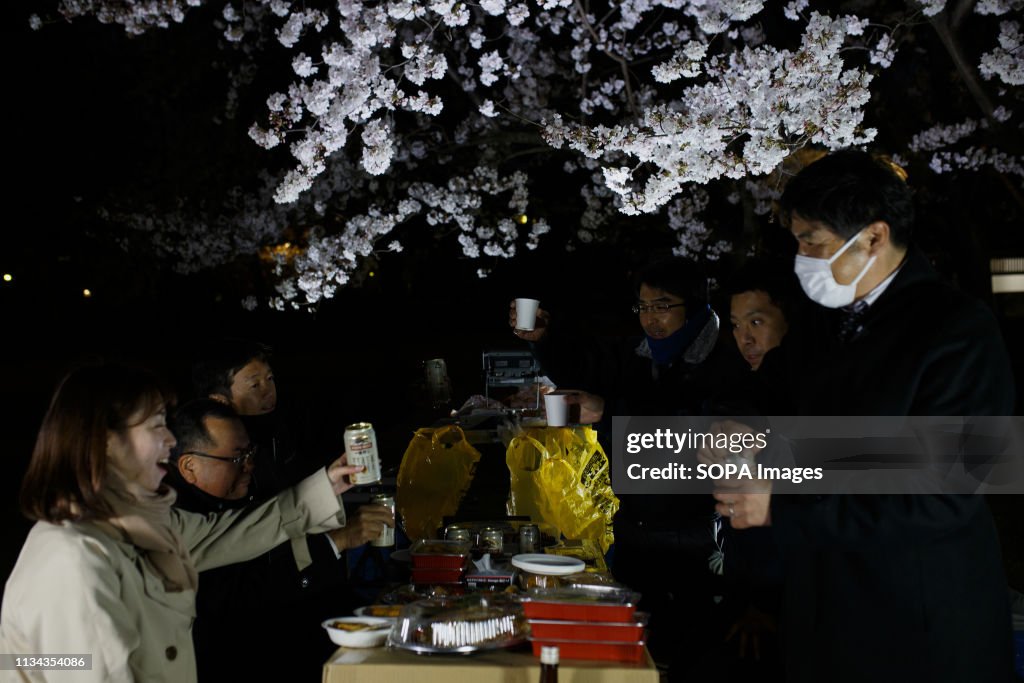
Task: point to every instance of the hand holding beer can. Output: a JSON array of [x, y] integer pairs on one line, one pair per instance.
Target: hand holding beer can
[[387, 536], [361, 446]]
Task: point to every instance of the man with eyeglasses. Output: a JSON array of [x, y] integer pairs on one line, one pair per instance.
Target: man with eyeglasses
[[217, 462], [279, 605], [676, 367]]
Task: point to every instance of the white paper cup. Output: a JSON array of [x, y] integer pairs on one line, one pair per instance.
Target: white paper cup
[[526, 314], [557, 409]]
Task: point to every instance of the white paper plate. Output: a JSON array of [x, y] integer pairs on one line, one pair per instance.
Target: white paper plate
[[550, 565]]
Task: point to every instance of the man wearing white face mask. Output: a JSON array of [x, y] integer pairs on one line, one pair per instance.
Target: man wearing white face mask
[[897, 587]]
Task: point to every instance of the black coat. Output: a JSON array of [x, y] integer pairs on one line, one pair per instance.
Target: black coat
[[900, 588], [662, 543], [261, 618]]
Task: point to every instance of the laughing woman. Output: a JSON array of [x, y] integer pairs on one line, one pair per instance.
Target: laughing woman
[[110, 568]]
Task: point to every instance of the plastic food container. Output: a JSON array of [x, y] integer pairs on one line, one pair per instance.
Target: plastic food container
[[572, 649], [432, 554], [421, 575], [358, 631], [544, 571], [592, 581], [601, 631], [583, 603], [528, 580], [459, 625]]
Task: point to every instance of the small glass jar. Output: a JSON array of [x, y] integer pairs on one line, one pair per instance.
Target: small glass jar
[[454, 532], [529, 538], [492, 540]]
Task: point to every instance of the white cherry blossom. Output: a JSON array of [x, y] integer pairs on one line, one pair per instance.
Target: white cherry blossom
[[446, 115]]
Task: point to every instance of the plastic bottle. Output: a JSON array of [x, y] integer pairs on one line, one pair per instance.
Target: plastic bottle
[[549, 665]]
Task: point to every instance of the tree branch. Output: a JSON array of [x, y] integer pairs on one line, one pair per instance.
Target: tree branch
[[616, 58], [962, 9]]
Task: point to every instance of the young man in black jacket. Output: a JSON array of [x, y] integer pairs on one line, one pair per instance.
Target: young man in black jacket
[[894, 587], [663, 544]]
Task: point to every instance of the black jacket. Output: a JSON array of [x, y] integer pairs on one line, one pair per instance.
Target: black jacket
[[662, 543], [899, 588], [261, 618]]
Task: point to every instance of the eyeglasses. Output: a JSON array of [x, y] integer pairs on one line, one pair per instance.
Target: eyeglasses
[[654, 308], [239, 460]]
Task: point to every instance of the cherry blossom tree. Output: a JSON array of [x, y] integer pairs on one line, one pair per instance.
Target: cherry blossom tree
[[500, 122]]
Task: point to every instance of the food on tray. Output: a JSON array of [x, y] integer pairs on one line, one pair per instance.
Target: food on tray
[[403, 595], [382, 610], [601, 579], [460, 624]]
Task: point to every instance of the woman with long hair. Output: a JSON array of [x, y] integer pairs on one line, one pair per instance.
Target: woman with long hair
[[110, 569]]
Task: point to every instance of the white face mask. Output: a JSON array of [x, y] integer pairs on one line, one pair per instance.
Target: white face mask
[[815, 275]]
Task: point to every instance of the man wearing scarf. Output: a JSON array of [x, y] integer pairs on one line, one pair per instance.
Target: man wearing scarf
[[676, 367]]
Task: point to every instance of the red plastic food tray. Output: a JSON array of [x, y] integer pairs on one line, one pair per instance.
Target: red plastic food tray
[[430, 575], [578, 611], [439, 554], [438, 562], [570, 649], [586, 630]]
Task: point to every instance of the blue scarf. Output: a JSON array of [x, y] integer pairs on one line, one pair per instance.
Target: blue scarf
[[664, 351]]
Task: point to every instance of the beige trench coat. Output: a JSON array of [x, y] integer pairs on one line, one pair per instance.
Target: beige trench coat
[[76, 590]]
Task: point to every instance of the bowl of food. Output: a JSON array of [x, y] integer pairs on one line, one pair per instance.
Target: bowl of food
[[358, 631]]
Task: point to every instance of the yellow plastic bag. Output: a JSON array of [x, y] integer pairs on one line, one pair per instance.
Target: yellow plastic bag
[[559, 476], [436, 471]]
